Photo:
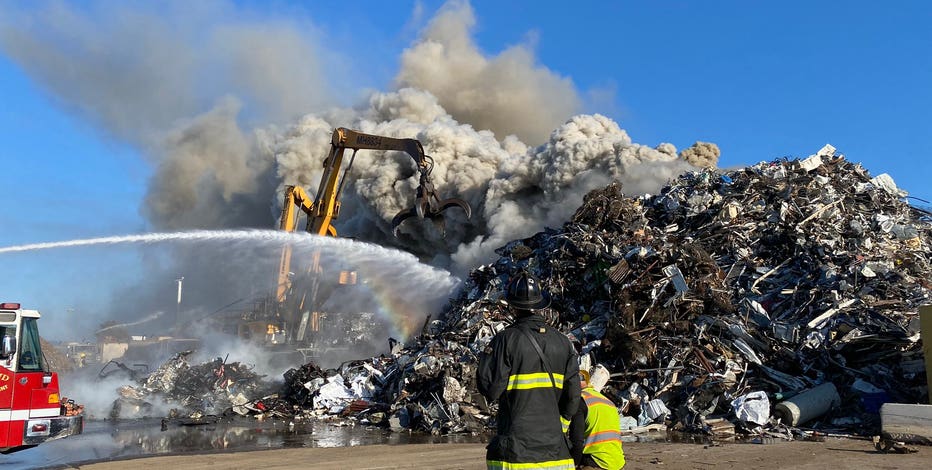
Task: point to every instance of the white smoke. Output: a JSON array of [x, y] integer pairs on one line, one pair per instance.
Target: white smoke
[[213, 95], [509, 93], [135, 69]]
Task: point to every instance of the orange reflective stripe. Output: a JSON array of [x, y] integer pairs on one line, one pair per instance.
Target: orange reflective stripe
[[599, 401], [592, 400], [601, 437], [603, 440]]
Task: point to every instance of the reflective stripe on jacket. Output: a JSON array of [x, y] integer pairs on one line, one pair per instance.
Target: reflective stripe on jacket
[[566, 464], [530, 432], [603, 431], [536, 380]]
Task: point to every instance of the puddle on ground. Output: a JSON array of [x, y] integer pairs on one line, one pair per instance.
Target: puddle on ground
[[114, 440], [109, 440]]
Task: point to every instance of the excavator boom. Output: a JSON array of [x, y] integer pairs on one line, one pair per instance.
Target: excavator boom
[[325, 207], [427, 204]]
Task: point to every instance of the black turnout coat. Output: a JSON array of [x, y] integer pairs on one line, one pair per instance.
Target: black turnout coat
[[530, 408]]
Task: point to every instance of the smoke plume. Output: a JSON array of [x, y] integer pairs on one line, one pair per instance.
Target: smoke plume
[[702, 155], [229, 106], [509, 93]]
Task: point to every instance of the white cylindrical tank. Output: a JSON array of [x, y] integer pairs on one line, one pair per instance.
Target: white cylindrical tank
[[808, 405]]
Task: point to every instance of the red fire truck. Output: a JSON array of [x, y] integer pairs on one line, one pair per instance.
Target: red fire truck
[[31, 411]]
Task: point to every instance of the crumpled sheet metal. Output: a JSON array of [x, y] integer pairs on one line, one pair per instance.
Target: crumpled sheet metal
[[209, 388], [771, 279], [774, 258]]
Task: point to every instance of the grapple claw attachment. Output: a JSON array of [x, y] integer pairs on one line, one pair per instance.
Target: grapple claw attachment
[[455, 202], [422, 206], [427, 204], [440, 223], [401, 217]]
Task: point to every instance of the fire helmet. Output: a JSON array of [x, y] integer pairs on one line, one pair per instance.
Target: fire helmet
[[524, 292]]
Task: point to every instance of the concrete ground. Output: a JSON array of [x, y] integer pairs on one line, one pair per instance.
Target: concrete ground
[[833, 453]]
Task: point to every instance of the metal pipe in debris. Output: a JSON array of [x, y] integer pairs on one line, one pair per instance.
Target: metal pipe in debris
[[638, 371]]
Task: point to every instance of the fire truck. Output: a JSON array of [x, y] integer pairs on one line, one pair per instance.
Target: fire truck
[[31, 411]]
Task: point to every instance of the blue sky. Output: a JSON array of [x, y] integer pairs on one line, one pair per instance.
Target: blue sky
[[761, 79]]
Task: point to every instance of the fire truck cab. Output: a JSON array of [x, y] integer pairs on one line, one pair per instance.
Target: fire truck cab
[[31, 411]]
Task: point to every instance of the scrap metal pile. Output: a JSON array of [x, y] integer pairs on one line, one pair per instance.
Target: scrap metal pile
[[775, 278], [194, 391], [710, 302], [728, 290]]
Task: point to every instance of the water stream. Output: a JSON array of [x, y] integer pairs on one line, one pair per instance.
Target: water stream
[[404, 290], [387, 272]]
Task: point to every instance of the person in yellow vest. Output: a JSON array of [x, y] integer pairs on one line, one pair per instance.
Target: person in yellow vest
[[595, 431]]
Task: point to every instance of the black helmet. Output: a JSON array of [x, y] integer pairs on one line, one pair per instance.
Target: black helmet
[[524, 292]]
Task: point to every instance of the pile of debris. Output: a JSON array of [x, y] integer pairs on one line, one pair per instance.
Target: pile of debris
[[775, 278], [211, 388], [720, 300], [426, 386]]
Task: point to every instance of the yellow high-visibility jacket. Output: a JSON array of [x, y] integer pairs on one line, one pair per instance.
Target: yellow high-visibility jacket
[[595, 431]]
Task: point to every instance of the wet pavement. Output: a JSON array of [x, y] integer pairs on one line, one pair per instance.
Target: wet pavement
[[107, 440]]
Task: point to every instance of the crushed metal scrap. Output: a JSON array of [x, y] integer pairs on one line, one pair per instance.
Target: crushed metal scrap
[[769, 298], [192, 391]]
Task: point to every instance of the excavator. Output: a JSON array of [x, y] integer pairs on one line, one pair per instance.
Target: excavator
[[299, 297]]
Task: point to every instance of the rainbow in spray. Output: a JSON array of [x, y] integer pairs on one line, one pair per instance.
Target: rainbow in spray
[[405, 290]]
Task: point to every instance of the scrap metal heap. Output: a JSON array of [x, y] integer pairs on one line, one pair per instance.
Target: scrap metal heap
[[722, 295], [194, 391], [771, 279]]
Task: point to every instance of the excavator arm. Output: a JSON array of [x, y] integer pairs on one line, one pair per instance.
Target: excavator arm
[[295, 196], [427, 204], [326, 205]]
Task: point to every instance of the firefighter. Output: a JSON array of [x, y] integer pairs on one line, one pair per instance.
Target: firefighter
[[532, 370], [595, 431]]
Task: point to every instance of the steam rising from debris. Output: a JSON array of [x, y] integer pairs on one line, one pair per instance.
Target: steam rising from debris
[[190, 90]]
